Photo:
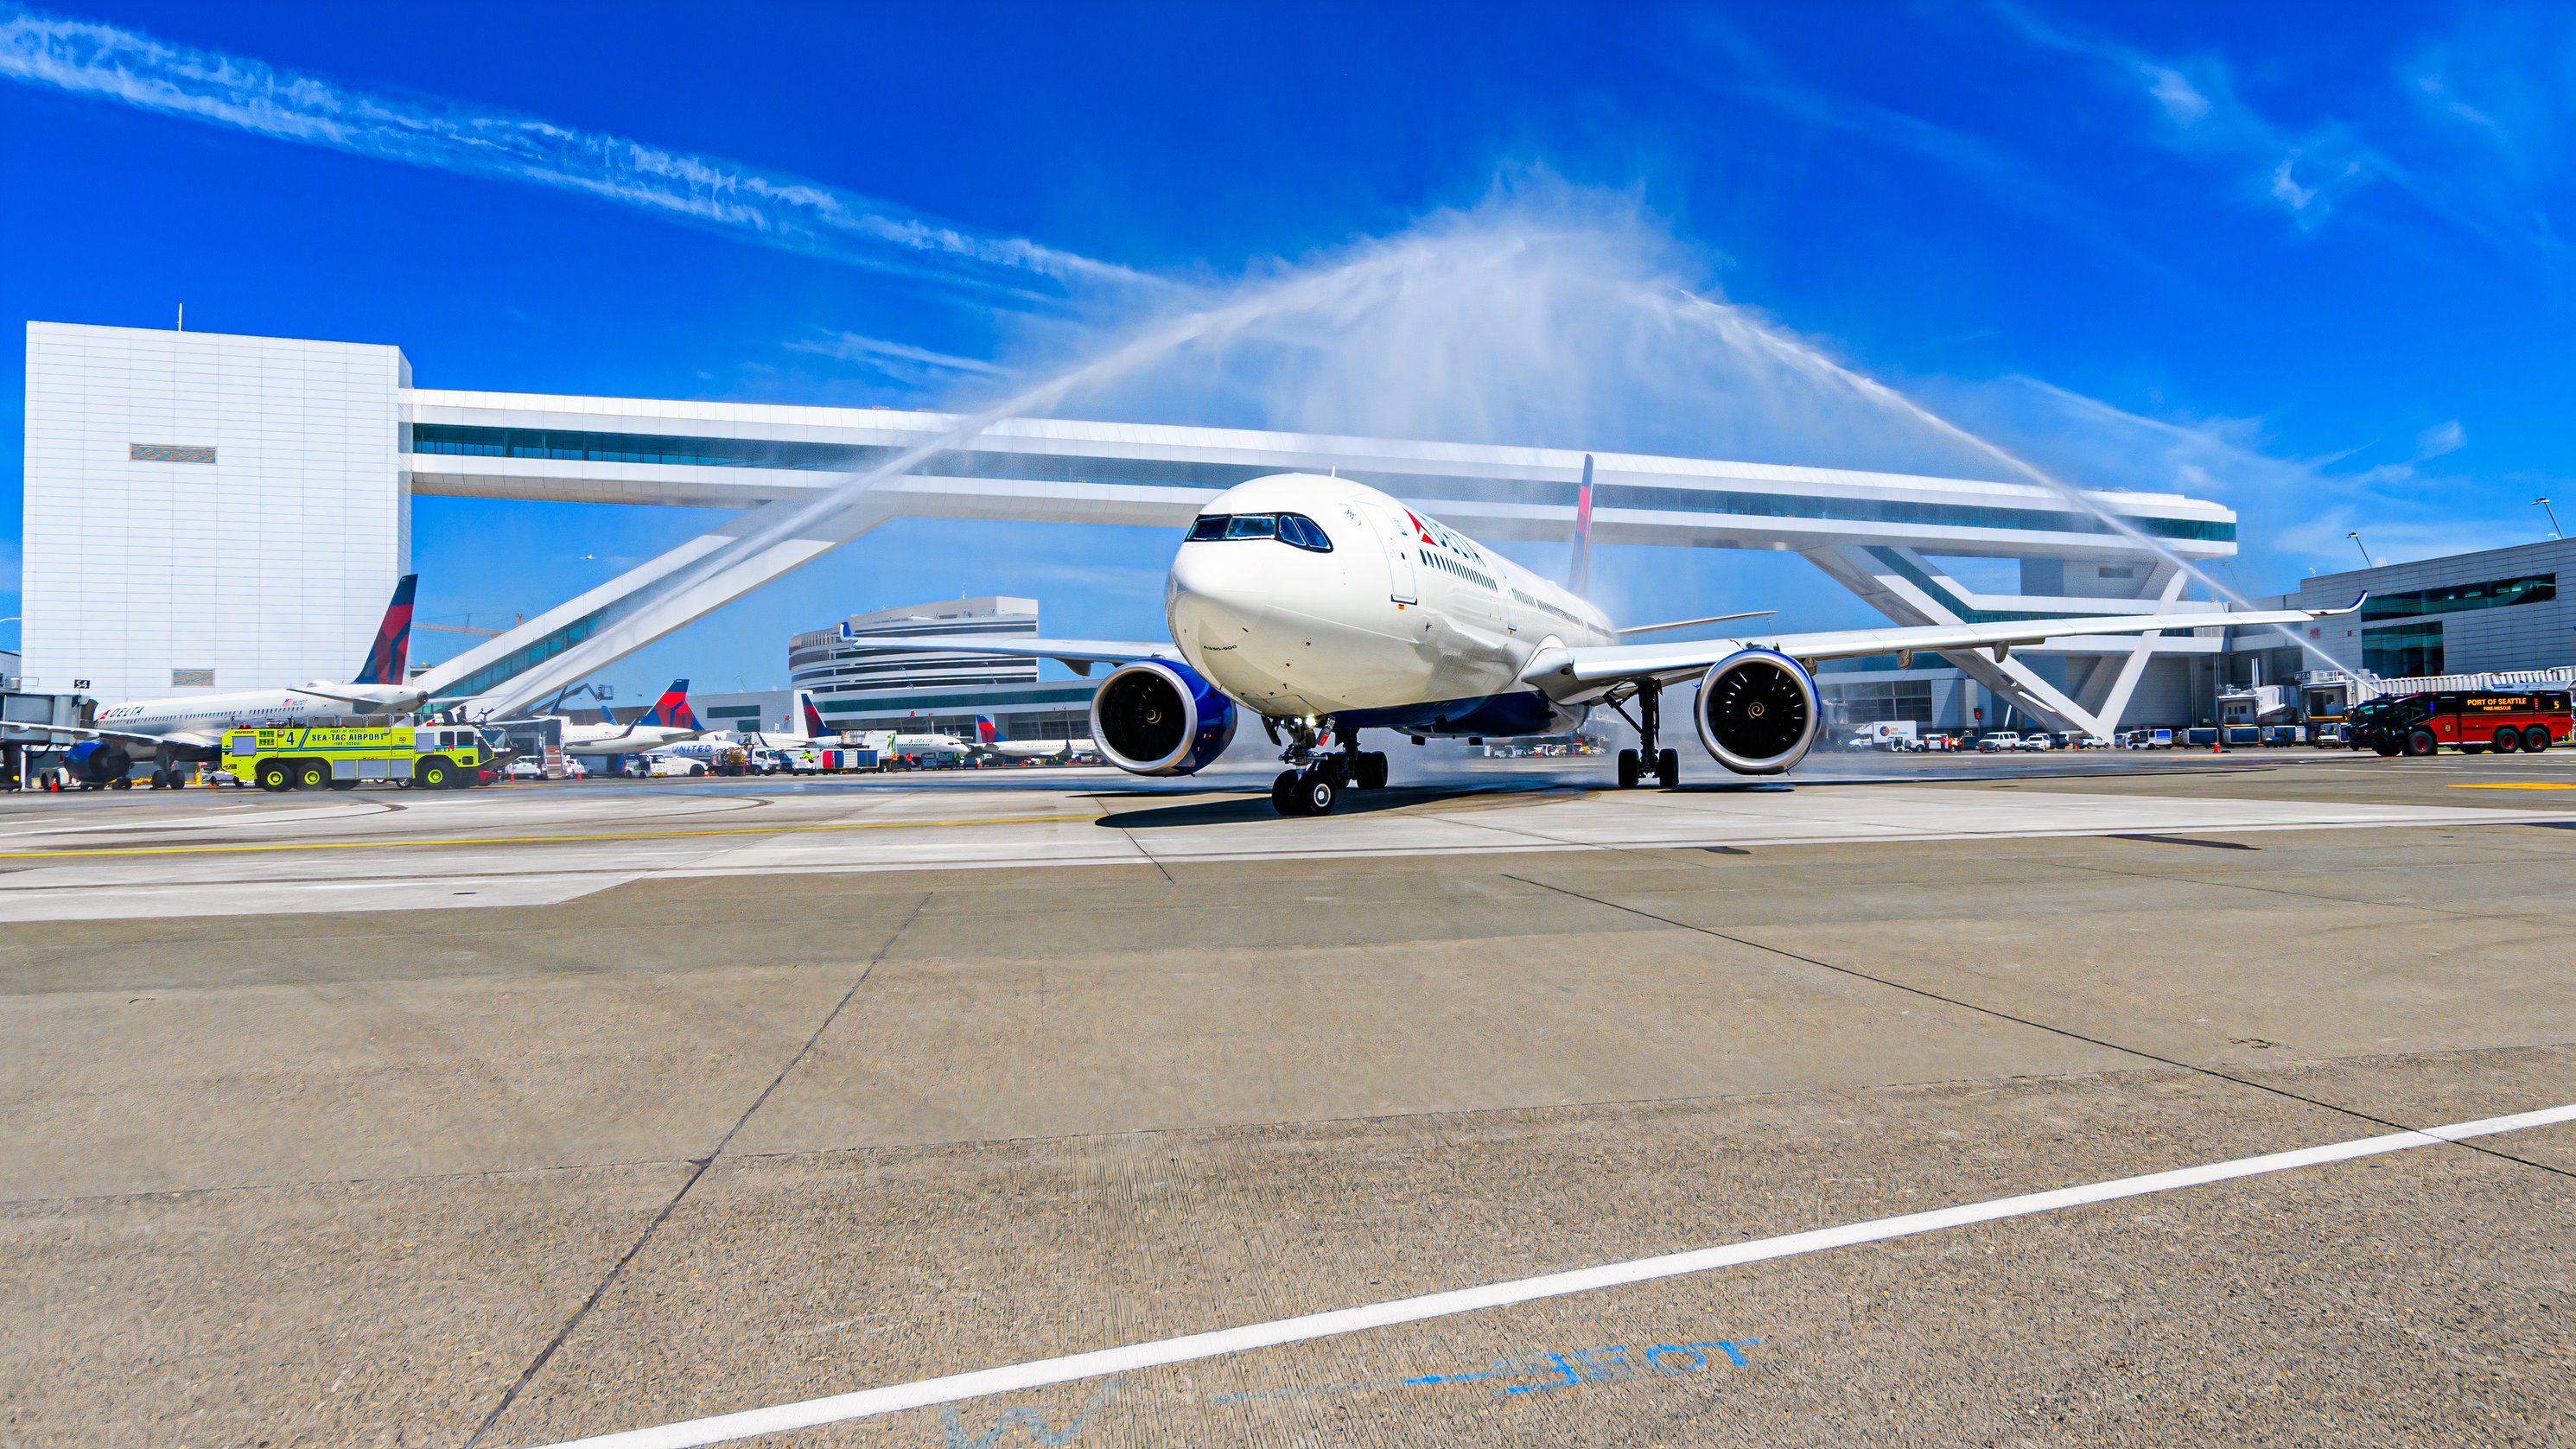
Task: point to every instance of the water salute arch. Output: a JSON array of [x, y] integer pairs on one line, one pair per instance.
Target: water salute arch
[[790, 470]]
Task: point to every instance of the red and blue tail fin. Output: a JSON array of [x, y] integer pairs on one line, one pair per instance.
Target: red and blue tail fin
[[1578, 574], [672, 710], [985, 730], [390, 654], [813, 718]]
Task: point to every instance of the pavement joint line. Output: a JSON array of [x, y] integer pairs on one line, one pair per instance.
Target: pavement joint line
[[304, 845], [1999, 1014], [697, 1172], [2187, 879], [1306, 1328]]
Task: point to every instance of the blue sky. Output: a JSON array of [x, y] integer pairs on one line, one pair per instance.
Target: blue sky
[[2306, 259]]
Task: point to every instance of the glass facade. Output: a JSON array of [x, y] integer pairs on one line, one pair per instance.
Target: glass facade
[[2402, 651], [2459, 598], [456, 439]]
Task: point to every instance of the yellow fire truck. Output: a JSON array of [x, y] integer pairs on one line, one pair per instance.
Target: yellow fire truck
[[343, 757]]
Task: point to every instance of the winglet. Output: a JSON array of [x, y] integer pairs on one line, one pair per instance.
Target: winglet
[[2354, 607], [1578, 574], [390, 654]]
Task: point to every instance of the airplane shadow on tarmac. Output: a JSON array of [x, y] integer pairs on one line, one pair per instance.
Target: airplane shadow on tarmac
[[1353, 802]]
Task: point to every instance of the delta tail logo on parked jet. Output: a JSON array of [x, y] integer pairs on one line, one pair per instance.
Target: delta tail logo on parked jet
[[1325, 608], [672, 710], [391, 653]]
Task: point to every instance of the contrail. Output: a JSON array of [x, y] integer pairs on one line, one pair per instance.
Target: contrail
[[86, 58]]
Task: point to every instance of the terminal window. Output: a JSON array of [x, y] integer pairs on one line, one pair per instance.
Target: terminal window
[[167, 453], [2402, 651], [2458, 598]]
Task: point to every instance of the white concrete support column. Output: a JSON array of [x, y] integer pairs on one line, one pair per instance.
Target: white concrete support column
[[1897, 587], [512, 673]]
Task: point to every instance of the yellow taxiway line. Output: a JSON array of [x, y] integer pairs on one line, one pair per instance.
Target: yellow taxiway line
[[527, 839], [2519, 785]]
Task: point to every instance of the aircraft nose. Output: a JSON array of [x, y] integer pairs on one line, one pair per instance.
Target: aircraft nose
[[1211, 593]]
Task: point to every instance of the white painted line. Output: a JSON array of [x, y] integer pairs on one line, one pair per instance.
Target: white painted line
[[894, 1398]]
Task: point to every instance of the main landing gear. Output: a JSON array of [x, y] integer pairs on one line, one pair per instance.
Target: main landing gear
[[1316, 777], [1634, 765]]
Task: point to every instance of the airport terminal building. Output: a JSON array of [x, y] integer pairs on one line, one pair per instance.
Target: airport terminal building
[[916, 691], [224, 512]]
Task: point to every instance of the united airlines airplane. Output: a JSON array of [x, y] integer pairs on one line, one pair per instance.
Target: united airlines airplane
[[189, 727], [1325, 608]]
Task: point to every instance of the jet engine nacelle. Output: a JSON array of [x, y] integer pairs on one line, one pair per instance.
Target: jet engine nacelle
[[98, 762], [1152, 718], [1757, 712]]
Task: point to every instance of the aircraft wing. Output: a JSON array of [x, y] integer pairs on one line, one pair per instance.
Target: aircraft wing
[[1671, 662], [17, 733], [1077, 655]]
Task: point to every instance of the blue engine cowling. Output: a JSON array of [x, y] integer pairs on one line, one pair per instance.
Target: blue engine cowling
[[1152, 718], [1757, 712], [98, 762]]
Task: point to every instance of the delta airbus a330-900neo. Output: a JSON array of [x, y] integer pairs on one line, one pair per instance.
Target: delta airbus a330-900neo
[[1325, 608]]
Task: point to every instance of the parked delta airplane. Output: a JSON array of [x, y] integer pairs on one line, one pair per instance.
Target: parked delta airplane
[[189, 727], [668, 722], [1326, 608]]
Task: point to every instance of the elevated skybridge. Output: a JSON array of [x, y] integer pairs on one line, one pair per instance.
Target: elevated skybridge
[[1874, 532]]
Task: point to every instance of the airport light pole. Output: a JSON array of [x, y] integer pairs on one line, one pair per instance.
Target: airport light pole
[[2541, 503], [2366, 561]]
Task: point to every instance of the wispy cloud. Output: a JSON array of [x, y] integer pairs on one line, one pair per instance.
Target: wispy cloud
[[2198, 112], [2296, 510], [1754, 77], [899, 360], [90, 59], [2439, 439]]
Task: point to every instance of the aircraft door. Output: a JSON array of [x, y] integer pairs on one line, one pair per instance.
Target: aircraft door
[[1398, 546]]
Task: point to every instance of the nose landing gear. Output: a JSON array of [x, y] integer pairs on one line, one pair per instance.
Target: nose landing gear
[[1316, 777]]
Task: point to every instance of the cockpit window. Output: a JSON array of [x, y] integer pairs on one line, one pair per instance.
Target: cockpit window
[[1304, 532], [1293, 529]]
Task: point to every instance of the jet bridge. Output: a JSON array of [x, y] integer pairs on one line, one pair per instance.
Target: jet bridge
[[1873, 532]]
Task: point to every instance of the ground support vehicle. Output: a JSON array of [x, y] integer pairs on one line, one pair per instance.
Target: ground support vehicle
[[2470, 721], [342, 757]]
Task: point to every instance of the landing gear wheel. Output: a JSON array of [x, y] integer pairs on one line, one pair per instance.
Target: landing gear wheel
[[2422, 742], [1372, 771], [1317, 792], [1668, 769], [1284, 796], [273, 776], [159, 781], [123, 782], [2535, 738], [1627, 769]]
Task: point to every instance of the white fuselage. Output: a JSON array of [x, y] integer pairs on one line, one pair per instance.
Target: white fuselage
[[1401, 614], [198, 719], [616, 739]]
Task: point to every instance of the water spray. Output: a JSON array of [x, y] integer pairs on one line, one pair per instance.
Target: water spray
[[1731, 323]]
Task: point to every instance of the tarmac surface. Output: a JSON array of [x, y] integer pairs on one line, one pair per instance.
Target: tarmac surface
[[519, 1115]]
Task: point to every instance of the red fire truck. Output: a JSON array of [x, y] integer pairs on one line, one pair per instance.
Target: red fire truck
[[2469, 720]]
